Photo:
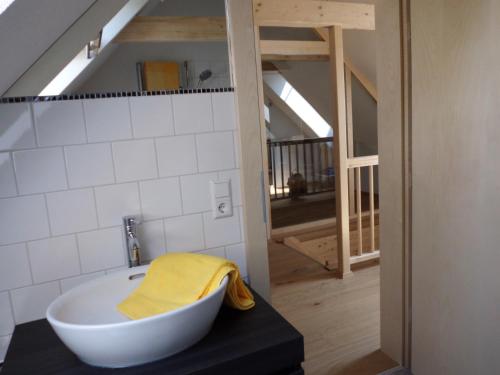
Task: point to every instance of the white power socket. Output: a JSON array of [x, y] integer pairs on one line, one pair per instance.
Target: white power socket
[[222, 203]]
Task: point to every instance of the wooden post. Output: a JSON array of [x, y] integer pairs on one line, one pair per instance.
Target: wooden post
[[372, 208], [359, 204], [339, 121], [350, 135], [245, 74]]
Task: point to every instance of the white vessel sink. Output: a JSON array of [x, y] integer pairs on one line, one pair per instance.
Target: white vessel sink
[[87, 321]]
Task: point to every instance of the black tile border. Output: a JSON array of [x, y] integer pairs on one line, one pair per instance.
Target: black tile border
[[116, 94]]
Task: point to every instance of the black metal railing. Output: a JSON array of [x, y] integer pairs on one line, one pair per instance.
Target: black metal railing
[[300, 167]]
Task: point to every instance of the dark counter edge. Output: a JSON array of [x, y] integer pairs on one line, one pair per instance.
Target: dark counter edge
[[280, 350]]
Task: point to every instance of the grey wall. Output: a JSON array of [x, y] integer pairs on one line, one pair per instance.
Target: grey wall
[[28, 28]]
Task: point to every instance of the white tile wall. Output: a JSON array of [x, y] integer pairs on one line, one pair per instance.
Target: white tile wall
[[161, 198], [30, 303], [185, 150], [62, 199], [116, 201], [135, 160], [54, 258], [23, 219], [152, 238], [7, 178], [71, 211], [4, 345], [152, 116], [192, 113], [59, 123], [223, 231], [6, 318], [107, 119], [40, 171], [14, 267], [184, 233], [101, 249], [89, 165], [16, 129], [195, 194], [215, 151], [224, 111]]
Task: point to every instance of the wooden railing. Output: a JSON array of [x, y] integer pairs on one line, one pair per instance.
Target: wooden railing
[[357, 166], [305, 161]]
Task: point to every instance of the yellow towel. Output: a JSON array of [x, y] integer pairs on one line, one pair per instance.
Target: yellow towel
[[177, 279]]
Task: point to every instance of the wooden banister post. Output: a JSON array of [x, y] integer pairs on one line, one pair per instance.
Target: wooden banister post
[[339, 122]]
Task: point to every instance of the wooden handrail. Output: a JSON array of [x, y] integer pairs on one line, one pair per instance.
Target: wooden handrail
[[362, 161]]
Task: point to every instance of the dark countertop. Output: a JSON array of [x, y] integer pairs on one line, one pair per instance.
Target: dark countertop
[[257, 342]]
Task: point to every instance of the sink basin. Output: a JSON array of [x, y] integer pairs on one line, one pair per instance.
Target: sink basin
[[86, 320]]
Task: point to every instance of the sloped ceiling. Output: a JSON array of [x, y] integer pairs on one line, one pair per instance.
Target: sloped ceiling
[[28, 28]]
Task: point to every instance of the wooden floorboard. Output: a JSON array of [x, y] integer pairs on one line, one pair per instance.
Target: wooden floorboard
[[338, 318]]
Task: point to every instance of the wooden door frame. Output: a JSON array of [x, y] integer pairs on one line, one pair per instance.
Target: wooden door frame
[[395, 162]]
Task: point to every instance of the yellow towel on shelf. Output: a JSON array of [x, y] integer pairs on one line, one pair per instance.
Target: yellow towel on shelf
[[177, 279]]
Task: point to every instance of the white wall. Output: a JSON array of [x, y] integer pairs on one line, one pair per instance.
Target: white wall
[[118, 72], [456, 184], [69, 176]]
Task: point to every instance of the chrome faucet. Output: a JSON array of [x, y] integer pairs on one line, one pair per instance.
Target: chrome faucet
[[131, 241]]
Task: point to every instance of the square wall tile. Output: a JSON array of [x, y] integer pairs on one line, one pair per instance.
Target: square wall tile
[[184, 233], [222, 231], [237, 156], [160, 198], [40, 171], [195, 190], [215, 252], [237, 254], [31, 303], [16, 130], [234, 177], [215, 151], [224, 111], [14, 267], [152, 239], [23, 219], [72, 282], [135, 160], [116, 201], [59, 123], [89, 165], [176, 155], [192, 113], [72, 211], [107, 119], [101, 249], [4, 345], [54, 258], [7, 178], [152, 116], [6, 318]]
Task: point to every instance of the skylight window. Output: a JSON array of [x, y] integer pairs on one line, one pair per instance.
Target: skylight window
[[4, 4], [298, 104]]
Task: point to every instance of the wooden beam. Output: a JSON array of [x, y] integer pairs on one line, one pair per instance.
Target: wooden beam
[[337, 76], [314, 13], [245, 67], [292, 47], [350, 136], [274, 57], [174, 29]]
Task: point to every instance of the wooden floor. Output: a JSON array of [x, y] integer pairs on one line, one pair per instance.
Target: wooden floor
[[338, 318], [286, 212]]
